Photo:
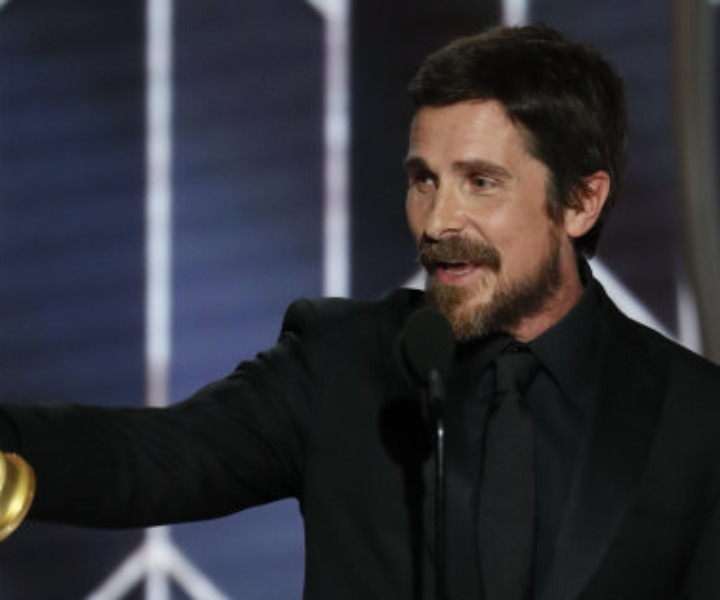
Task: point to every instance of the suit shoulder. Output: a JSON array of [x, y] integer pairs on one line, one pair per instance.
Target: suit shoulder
[[679, 359], [343, 313]]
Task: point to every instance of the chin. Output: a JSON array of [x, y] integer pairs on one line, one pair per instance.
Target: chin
[[467, 315]]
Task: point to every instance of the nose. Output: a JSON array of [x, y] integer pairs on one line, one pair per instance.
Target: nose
[[446, 215]]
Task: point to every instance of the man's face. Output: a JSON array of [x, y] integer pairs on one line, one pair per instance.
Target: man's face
[[477, 205]]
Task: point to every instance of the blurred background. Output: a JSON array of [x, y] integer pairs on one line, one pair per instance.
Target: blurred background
[[173, 173]]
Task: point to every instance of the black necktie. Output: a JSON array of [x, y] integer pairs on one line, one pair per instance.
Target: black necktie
[[506, 517]]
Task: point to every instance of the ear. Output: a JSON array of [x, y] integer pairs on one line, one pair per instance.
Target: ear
[[589, 201]]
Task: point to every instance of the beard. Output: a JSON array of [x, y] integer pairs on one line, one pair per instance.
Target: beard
[[509, 302]]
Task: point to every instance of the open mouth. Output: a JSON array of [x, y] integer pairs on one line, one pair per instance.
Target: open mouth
[[456, 268], [454, 272]]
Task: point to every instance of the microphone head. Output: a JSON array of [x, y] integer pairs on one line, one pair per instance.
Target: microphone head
[[426, 343]]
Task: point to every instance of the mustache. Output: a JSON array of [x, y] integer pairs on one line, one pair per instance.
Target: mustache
[[457, 249]]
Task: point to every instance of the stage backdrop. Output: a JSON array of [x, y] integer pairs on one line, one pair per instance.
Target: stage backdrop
[[172, 174]]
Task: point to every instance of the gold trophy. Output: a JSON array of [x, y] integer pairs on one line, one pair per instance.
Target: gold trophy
[[17, 488]]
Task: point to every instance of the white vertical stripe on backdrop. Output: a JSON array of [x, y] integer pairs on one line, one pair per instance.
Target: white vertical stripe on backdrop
[[158, 200], [515, 12], [336, 162]]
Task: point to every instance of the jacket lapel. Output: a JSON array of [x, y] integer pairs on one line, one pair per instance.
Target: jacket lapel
[[627, 406]]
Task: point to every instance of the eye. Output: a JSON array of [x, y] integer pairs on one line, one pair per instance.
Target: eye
[[422, 180], [482, 183]]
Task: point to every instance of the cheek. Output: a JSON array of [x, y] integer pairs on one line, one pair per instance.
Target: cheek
[[414, 216], [524, 244]]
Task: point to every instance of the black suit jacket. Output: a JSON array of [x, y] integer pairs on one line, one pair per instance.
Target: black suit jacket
[[326, 416]]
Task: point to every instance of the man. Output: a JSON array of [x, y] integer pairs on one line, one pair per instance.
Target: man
[[516, 152]]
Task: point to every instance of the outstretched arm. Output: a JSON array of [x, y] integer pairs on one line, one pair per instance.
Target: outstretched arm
[[237, 442]]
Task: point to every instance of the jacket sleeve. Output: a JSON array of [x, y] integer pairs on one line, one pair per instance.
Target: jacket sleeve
[[237, 442]]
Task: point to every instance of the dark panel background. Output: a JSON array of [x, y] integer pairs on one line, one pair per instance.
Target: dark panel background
[[248, 210], [248, 233], [71, 244]]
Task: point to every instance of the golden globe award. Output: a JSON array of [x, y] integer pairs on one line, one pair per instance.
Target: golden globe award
[[17, 488]]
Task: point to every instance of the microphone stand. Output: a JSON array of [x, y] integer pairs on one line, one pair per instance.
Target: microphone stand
[[435, 397], [427, 344]]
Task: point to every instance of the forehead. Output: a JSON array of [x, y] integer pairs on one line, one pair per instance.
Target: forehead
[[466, 131]]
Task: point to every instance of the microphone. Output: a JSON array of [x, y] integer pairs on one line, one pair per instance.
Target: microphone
[[426, 347]]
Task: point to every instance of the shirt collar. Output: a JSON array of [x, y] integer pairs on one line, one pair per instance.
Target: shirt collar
[[477, 354]]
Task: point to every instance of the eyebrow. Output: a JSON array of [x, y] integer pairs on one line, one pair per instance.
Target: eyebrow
[[483, 167], [415, 163], [465, 167]]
